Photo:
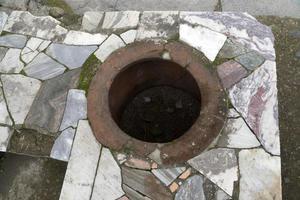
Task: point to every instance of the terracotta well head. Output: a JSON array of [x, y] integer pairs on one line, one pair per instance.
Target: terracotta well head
[[145, 65]]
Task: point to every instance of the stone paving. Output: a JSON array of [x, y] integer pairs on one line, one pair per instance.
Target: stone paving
[[40, 102]]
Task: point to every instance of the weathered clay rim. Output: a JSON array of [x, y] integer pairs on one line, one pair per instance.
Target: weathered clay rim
[[194, 141]]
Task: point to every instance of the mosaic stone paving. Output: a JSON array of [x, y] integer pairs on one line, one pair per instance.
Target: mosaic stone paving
[[41, 103]]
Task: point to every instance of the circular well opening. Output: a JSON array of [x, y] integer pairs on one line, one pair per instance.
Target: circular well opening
[[154, 100]]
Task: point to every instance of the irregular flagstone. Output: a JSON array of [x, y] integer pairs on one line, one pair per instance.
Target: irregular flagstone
[[43, 67], [108, 181], [3, 51], [62, 146], [45, 27], [237, 134], [33, 47], [260, 175], [71, 56], [11, 62], [76, 109], [230, 73], [205, 40], [4, 115], [82, 165], [145, 183], [213, 192], [232, 113], [158, 24], [129, 36], [232, 49], [110, 45], [250, 60], [134, 195], [221, 170], [30, 142], [20, 92], [48, 107], [15, 4], [91, 20], [138, 163], [82, 38], [250, 33], [255, 98], [5, 134], [3, 19], [121, 20], [191, 189], [13, 41], [168, 175]]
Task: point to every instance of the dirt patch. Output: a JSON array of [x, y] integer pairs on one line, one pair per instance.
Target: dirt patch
[[288, 72], [28, 178]]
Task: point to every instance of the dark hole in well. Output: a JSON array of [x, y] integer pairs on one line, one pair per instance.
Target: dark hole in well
[[154, 100]]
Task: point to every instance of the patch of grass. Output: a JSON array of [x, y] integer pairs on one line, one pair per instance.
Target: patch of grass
[[89, 69]]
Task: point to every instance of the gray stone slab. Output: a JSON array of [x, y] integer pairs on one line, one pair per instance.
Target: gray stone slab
[[166, 5], [3, 51], [158, 24], [11, 62], [168, 175], [134, 195], [62, 146], [20, 92], [5, 134], [47, 110], [84, 38], [71, 56], [45, 27], [108, 181], [110, 45], [281, 8], [121, 20], [43, 67], [30, 142], [13, 41], [236, 134], [15, 4], [76, 109], [91, 21], [192, 189], [252, 34], [33, 47], [3, 18], [82, 6], [219, 166], [255, 98], [232, 49], [4, 115], [213, 192], [260, 175], [145, 183], [82, 167], [250, 60]]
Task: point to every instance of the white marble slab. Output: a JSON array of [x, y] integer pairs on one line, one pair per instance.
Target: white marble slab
[[81, 170]]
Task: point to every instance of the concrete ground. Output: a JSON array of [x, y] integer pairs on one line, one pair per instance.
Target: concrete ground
[[281, 8]]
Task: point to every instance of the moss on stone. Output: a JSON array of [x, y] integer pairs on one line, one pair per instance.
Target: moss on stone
[[88, 71], [60, 4], [69, 18]]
